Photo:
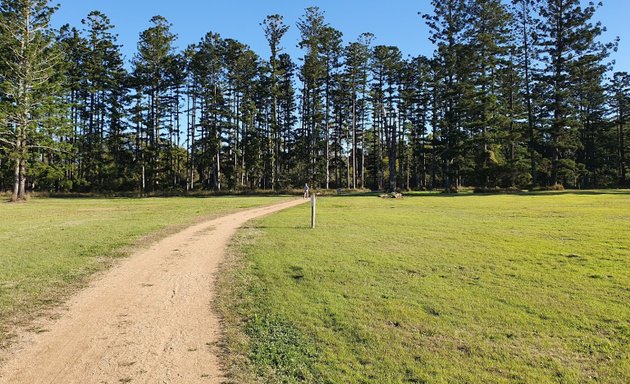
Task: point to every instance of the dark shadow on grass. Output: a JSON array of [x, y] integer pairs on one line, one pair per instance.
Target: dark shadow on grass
[[355, 194], [135, 196], [245, 194], [581, 192], [524, 194], [470, 194], [287, 227]]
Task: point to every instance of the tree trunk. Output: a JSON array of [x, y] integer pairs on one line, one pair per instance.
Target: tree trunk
[[22, 189], [354, 140], [622, 149], [392, 155], [16, 185]]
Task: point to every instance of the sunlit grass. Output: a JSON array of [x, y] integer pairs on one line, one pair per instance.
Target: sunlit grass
[[48, 245], [437, 289]]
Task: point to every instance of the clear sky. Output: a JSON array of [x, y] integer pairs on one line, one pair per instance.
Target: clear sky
[[394, 22]]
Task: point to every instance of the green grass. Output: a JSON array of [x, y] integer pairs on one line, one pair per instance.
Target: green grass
[[531, 288], [48, 246]]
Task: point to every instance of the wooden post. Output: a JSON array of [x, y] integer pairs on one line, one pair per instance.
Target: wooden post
[[313, 207]]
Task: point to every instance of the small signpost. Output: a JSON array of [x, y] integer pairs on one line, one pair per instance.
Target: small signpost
[[313, 207]]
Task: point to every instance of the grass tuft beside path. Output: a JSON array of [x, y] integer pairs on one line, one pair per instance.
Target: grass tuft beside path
[[434, 289], [47, 246]]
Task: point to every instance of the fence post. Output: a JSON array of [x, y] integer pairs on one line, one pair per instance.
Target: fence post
[[313, 207]]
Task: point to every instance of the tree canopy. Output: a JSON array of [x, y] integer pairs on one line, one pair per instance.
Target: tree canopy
[[517, 94]]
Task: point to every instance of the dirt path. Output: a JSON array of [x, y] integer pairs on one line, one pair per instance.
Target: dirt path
[[148, 320]]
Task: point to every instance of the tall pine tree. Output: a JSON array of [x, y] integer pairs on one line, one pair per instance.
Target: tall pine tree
[[31, 84]]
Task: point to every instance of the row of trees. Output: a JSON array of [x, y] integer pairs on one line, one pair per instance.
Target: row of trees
[[516, 94]]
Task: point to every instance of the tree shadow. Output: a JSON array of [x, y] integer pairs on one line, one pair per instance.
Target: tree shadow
[[414, 195], [166, 195]]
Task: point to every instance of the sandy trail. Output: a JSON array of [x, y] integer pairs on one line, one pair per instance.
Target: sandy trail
[[147, 320]]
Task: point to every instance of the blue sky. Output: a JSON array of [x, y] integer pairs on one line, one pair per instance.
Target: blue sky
[[394, 22]]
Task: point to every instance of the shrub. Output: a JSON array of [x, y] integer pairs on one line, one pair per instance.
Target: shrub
[[496, 190]]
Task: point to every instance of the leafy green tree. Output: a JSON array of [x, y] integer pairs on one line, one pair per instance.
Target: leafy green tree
[[448, 25], [75, 50], [514, 95], [275, 29], [620, 102], [330, 41], [104, 158], [31, 86], [513, 140], [386, 67], [242, 68], [176, 80], [487, 117], [209, 109], [313, 75], [524, 30], [415, 105], [588, 74], [150, 72], [287, 120], [566, 38], [357, 56]]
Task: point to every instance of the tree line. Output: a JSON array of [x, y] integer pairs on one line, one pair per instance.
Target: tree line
[[517, 94]]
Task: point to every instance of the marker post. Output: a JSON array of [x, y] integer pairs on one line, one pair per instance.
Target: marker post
[[313, 208]]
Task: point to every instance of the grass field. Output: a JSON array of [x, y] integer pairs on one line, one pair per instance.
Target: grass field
[[434, 289], [48, 246]]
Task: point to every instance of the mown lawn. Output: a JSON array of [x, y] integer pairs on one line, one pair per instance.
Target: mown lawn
[[47, 246], [530, 288]]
